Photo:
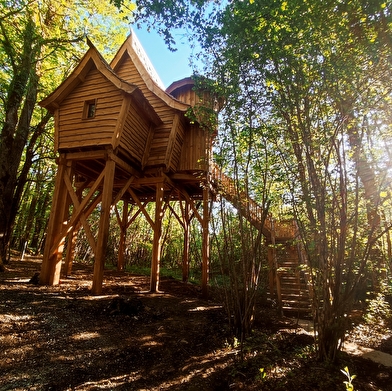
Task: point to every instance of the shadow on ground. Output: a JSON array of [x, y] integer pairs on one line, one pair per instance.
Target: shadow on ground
[[60, 338]]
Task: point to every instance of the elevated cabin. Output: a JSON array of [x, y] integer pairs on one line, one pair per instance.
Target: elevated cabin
[[121, 136]]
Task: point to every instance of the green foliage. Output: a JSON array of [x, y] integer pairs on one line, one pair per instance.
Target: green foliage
[[40, 43], [262, 375], [317, 96], [238, 262], [378, 311], [305, 131], [168, 16]]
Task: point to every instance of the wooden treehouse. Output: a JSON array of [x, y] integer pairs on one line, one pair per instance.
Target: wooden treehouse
[[121, 137]]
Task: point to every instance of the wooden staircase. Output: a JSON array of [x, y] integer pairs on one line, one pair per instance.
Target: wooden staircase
[[294, 288], [288, 279]]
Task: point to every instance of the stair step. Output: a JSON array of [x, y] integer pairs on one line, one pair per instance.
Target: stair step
[[295, 303], [295, 295], [293, 289], [305, 312]]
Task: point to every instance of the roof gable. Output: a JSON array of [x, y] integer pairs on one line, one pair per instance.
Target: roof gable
[[134, 55], [92, 59]]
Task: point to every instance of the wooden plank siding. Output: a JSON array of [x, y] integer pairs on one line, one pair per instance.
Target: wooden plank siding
[[74, 131], [135, 133], [177, 146], [182, 149], [193, 154], [126, 70]]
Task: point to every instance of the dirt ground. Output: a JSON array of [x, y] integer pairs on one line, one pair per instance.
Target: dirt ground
[[63, 338]]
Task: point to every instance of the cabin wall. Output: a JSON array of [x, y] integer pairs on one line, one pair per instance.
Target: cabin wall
[[187, 95], [75, 131], [127, 71], [189, 143], [177, 147], [157, 154], [135, 133], [193, 154]]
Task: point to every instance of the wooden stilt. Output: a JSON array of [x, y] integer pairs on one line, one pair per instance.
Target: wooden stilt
[[185, 256], [69, 258], [103, 232], [71, 242], [206, 243], [123, 235], [157, 240], [51, 264], [184, 219]]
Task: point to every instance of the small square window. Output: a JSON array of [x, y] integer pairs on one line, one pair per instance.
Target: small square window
[[90, 108]]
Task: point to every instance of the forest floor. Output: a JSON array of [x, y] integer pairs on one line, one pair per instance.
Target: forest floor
[[63, 338]]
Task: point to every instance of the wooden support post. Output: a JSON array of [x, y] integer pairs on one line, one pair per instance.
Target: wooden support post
[[103, 232], [205, 244], [69, 258], [51, 264], [123, 235], [71, 241], [185, 256], [157, 240]]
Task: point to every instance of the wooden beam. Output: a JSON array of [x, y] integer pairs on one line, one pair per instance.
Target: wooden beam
[[82, 217], [72, 236], [79, 210], [104, 222], [142, 207], [187, 217], [193, 206], [190, 178], [157, 240], [147, 147], [205, 243], [123, 235], [87, 155], [71, 246], [172, 140], [120, 121], [76, 214], [132, 219], [125, 166], [51, 263], [123, 190], [147, 181], [178, 218]]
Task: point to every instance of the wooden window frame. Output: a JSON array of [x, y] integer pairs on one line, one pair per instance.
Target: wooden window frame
[[90, 109]]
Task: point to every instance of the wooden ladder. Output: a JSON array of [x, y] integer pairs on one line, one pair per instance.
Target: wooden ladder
[[288, 279]]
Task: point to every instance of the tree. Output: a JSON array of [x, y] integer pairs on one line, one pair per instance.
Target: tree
[[324, 91], [40, 41]]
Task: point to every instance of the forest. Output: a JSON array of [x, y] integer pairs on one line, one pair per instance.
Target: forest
[[305, 132]]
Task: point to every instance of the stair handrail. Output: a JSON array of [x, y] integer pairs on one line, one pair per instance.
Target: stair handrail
[[252, 211]]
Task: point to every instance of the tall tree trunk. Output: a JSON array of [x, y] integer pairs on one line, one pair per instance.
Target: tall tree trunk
[[19, 106]]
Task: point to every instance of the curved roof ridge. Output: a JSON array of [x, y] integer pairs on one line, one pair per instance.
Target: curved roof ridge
[[139, 57]]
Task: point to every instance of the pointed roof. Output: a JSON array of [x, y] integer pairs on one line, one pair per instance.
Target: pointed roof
[[134, 50], [91, 59]]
